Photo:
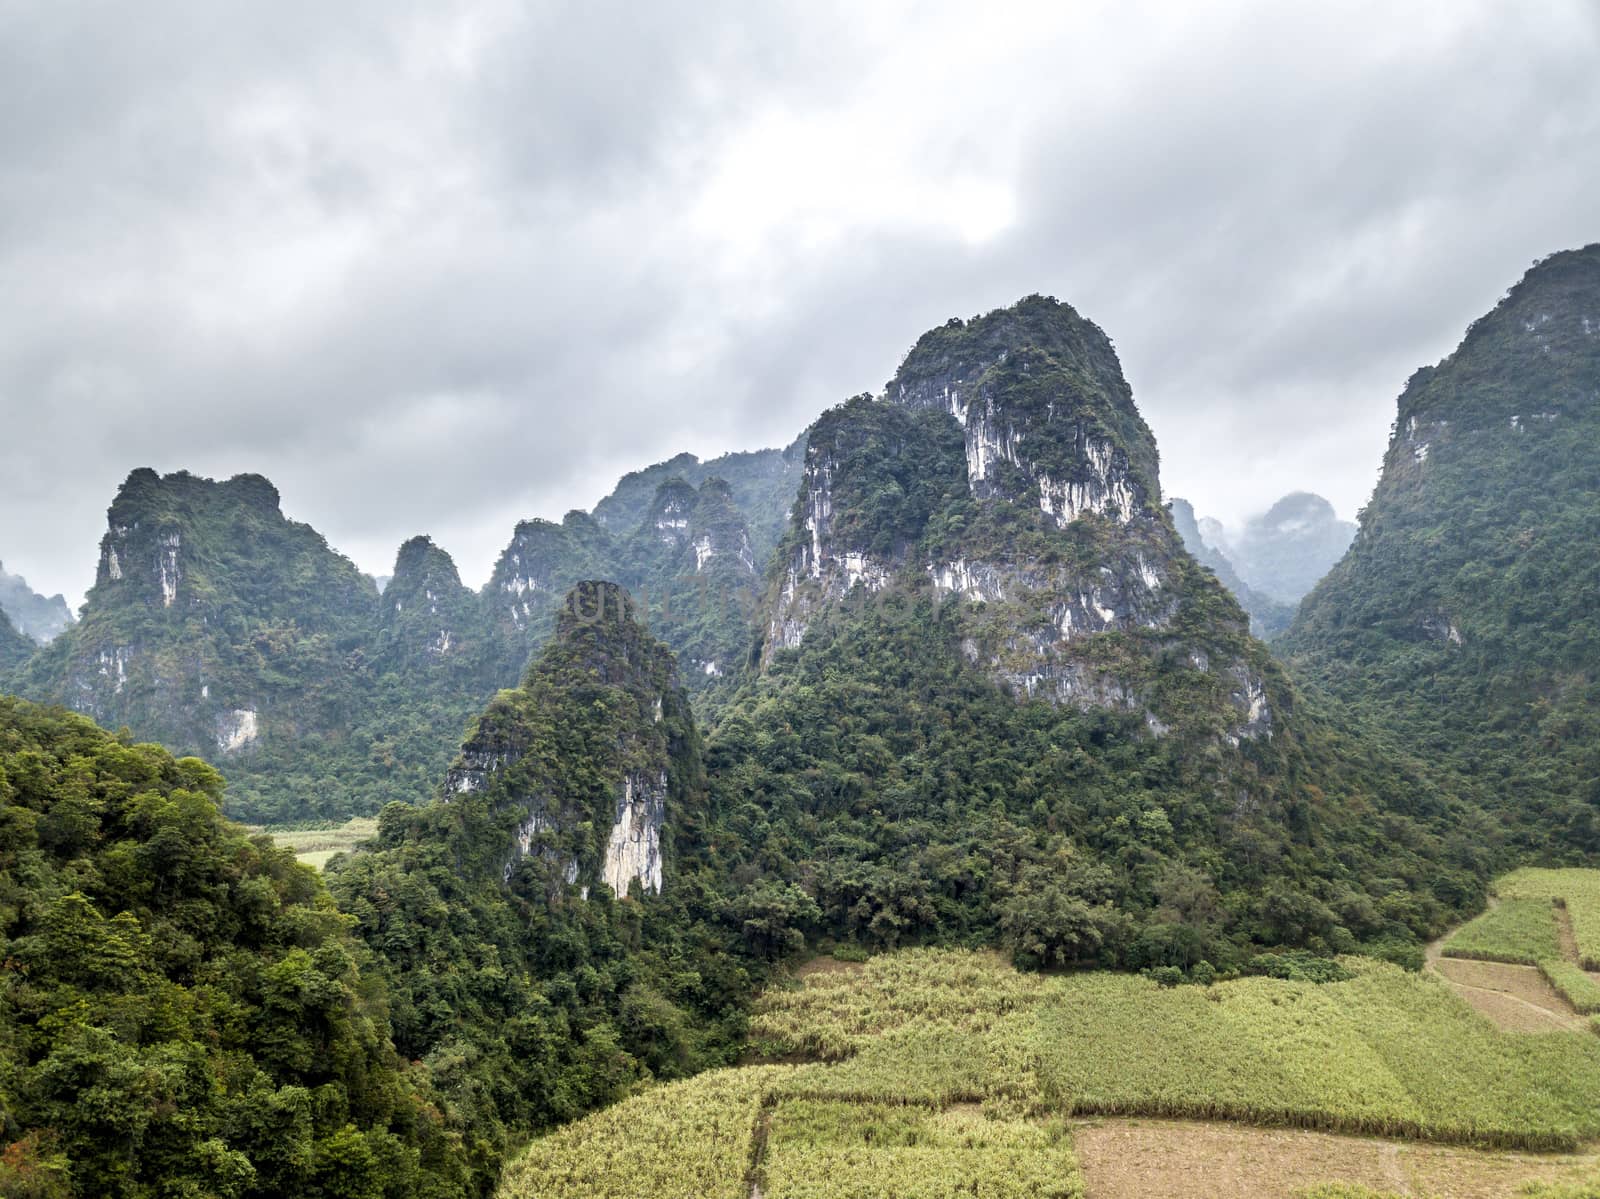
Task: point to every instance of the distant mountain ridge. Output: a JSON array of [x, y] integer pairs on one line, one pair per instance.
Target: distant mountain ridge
[[32, 614], [221, 628], [1284, 551], [1268, 617]]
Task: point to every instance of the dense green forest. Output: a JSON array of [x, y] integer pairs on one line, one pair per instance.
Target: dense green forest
[[15, 648], [183, 1008], [527, 986]]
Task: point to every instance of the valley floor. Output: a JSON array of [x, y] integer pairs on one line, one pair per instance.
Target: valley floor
[[933, 1074]]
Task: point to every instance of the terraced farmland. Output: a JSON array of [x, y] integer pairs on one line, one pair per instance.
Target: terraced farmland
[[936, 1073]]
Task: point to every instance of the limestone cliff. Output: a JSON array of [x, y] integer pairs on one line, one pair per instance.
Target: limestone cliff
[[214, 625], [585, 771], [1006, 469]]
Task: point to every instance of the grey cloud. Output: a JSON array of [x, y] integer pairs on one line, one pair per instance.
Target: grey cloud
[[436, 269]]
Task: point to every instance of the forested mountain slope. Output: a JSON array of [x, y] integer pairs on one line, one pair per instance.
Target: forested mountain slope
[[1466, 615], [989, 533], [15, 649], [183, 1010], [521, 975]]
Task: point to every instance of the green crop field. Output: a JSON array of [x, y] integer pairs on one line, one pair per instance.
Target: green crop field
[[1525, 927], [1576, 890], [1516, 930], [951, 1073]]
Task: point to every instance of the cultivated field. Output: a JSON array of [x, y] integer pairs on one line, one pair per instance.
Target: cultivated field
[[1545, 919], [934, 1074], [315, 846]]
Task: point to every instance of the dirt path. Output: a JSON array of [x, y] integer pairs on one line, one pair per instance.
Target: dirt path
[[1158, 1159], [1514, 998]]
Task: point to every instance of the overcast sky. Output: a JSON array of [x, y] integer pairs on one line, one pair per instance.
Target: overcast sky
[[437, 267]]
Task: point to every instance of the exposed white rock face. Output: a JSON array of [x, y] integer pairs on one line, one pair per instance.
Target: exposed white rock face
[[860, 569], [819, 561], [672, 520], [712, 670], [819, 510], [788, 627], [167, 565], [1250, 698], [634, 849], [113, 565], [1106, 489], [473, 771], [1419, 436], [114, 666], [990, 440], [704, 551], [236, 729], [530, 831], [1543, 418], [1074, 684], [1442, 628], [978, 583], [441, 644]]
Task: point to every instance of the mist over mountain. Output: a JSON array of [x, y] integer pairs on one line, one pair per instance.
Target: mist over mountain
[[1285, 550], [1268, 617], [38, 617]]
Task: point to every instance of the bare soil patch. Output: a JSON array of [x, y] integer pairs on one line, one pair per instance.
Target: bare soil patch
[[1157, 1159], [1516, 998]]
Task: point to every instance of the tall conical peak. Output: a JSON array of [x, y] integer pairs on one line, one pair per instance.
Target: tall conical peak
[[1049, 419], [593, 758], [420, 558], [671, 510]]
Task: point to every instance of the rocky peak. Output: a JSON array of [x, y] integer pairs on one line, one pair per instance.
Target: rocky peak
[[718, 532], [585, 766], [670, 513], [1049, 418], [1008, 469], [428, 615], [541, 562], [209, 608]]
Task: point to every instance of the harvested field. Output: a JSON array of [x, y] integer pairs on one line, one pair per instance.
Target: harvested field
[[1155, 1159], [1516, 998]]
